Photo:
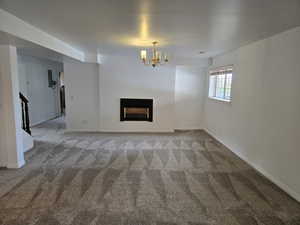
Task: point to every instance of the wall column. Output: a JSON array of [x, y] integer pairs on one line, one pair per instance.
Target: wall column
[[11, 141]]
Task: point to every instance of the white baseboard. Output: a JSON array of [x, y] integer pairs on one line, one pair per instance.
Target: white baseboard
[[16, 165], [81, 130], [43, 121], [188, 128], [118, 131], [280, 184], [138, 131], [294, 194]]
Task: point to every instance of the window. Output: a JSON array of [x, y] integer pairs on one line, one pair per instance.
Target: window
[[220, 83]]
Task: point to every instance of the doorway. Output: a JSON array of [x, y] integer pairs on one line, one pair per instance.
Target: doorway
[[62, 94]]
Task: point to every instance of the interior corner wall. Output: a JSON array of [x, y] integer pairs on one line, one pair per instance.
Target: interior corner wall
[[93, 95], [11, 145], [82, 98], [262, 123], [125, 77], [189, 97], [3, 153], [44, 103]]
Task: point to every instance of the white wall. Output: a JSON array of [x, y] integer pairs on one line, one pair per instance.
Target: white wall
[[11, 145], [12, 25], [3, 154], [262, 123], [82, 97], [33, 79], [189, 97], [27, 141], [122, 77], [93, 94]]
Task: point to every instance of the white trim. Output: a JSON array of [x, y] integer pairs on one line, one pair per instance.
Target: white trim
[[81, 130], [291, 192], [139, 131], [213, 68], [16, 165], [219, 99], [43, 121], [188, 128], [120, 131]]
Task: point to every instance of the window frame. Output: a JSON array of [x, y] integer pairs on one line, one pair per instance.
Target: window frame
[[214, 91]]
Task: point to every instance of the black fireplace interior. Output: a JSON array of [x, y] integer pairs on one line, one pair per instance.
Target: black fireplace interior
[[136, 109]]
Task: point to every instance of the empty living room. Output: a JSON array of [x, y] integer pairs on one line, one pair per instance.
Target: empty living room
[[150, 112]]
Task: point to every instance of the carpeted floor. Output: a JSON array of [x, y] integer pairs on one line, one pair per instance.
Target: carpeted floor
[[183, 178]]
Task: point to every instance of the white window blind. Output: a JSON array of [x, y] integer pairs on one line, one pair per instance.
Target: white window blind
[[220, 81]]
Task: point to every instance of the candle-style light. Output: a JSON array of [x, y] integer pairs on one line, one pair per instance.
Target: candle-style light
[[157, 58], [144, 55]]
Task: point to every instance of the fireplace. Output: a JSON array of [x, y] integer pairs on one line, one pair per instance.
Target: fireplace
[[136, 109]]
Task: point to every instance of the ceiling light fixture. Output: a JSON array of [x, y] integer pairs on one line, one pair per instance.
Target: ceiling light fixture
[[158, 58]]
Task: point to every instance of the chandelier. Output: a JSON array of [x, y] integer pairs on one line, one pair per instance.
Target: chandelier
[[157, 58]]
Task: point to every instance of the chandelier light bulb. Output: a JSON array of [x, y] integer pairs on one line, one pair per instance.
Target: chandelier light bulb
[[158, 58], [143, 55]]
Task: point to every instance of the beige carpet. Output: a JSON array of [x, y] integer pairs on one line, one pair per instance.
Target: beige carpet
[[183, 178]]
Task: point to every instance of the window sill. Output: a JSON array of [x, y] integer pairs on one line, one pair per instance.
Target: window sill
[[220, 99]]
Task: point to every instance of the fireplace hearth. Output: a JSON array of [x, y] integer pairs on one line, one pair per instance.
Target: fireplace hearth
[[132, 109]]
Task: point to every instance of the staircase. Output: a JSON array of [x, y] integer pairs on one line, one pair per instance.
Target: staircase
[[25, 114], [27, 138]]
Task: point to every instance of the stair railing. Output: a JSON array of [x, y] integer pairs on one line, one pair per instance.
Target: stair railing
[[25, 113]]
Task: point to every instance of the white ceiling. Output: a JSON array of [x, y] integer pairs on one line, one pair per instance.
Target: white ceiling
[[183, 27], [29, 48]]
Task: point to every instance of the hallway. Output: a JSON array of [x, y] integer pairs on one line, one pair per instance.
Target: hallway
[[183, 178], [49, 130]]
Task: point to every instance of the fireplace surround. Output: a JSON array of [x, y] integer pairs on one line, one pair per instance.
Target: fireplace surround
[[132, 109]]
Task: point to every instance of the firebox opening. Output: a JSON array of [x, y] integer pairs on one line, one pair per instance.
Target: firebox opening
[[136, 109]]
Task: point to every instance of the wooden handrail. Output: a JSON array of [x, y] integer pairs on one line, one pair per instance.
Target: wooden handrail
[[25, 113]]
